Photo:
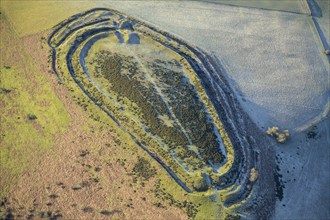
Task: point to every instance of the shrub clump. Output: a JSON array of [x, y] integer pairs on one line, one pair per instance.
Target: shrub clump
[[31, 117], [200, 185], [144, 169]]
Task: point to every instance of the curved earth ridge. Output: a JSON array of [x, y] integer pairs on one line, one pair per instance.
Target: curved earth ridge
[[208, 69]]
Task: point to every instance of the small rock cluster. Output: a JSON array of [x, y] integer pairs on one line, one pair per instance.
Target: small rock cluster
[[280, 137]]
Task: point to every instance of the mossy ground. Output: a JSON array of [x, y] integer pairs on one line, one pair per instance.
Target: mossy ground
[[23, 139]]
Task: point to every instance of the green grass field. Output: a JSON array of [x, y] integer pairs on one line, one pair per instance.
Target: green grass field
[[30, 17], [24, 92]]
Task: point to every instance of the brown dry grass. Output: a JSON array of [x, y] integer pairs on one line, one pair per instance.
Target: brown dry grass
[[62, 181]]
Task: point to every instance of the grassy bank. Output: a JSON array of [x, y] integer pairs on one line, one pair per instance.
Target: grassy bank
[[31, 114]]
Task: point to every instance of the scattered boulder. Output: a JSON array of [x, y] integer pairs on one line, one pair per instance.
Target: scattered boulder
[[253, 175]]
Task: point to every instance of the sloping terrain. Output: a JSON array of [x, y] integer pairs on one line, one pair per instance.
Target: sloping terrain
[[167, 96], [276, 63], [63, 163], [147, 112], [31, 114]]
